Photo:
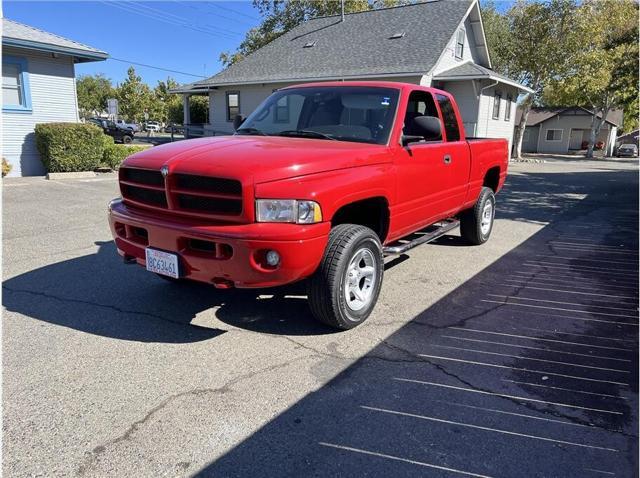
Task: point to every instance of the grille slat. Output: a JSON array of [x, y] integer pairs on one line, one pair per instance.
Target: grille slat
[[142, 176], [144, 195], [207, 184], [210, 205]]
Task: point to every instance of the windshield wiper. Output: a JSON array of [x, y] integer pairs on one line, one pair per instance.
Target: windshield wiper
[[248, 131], [305, 133]]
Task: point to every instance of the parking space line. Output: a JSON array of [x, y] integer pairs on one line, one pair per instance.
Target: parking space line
[[584, 249], [523, 415], [567, 291], [617, 322], [600, 471], [519, 297], [541, 372], [543, 340], [570, 267], [397, 458], [583, 335], [504, 395], [599, 246], [582, 259], [489, 429], [534, 348], [584, 278], [565, 389], [569, 364], [543, 280]]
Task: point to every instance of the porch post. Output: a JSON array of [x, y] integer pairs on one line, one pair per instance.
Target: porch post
[[186, 114]]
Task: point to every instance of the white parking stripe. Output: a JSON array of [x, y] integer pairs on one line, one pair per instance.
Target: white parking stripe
[[397, 458], [582, 335], [600, 471], [618, 322], [583, 278], [535, 348], [504, 395], [543, 340], [584, 249], [544, 280], [567, 291], [599, 246], [524, 415], [584, 259], [568, 364], [541, 372], [489, 429], [570, 267], [519, 297], [562, 388]]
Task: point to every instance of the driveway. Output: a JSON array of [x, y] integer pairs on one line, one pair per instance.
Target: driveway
[[516, 358]]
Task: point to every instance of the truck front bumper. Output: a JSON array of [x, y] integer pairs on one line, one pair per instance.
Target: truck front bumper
[[225, 255]]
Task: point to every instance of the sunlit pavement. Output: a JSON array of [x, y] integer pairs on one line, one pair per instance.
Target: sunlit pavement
[[516, 358]]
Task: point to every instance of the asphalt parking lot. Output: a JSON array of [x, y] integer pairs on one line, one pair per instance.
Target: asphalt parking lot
[[516, 358]]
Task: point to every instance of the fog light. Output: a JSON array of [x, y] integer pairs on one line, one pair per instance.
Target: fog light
[[272, 258]]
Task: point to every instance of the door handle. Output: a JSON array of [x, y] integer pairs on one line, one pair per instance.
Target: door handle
[[447, 159]]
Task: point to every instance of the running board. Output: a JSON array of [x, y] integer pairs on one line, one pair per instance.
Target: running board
[[445, 226]]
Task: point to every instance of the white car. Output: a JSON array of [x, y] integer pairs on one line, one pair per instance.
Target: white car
[[152, 126], [123, 124]]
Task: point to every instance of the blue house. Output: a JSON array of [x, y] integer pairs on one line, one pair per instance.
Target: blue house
[[38, 86]]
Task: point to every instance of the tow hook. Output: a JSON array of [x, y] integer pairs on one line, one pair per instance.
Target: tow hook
[[129, 260]]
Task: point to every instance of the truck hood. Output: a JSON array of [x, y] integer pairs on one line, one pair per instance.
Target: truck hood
[[258, 158]]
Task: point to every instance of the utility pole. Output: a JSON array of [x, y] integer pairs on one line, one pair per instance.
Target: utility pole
[[342, 9]]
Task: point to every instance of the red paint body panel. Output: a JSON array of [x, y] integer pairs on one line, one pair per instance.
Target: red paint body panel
[[418, 186]]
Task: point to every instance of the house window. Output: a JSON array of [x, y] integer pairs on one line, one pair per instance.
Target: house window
[[459, 44], [496, 105], [233, 104], [16, 95], [554, 135], [507, 111], [281, 110], [450, 119]]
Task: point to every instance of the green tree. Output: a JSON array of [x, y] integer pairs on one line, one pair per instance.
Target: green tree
[[134, 97], [539, 45], [604, 75], [280, 16], [93, 92], [168, 105]]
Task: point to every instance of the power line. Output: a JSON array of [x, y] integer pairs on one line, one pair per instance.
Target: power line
[[155, 67], [216, 14], [232, 10]]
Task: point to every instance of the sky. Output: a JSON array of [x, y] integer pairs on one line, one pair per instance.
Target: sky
[[187, 37], [184, 36]]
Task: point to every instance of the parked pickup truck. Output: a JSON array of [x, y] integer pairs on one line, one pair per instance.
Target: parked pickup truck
[[320, 183]]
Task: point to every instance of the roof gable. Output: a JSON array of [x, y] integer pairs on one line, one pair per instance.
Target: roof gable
[[542, 114], [359, 46], [24, 36]]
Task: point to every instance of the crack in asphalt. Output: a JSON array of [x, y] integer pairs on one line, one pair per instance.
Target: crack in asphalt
[[93, 455]]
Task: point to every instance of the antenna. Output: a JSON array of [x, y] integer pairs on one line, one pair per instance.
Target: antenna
[[342, 9]]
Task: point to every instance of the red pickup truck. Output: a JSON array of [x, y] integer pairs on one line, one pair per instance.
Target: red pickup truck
[[320, 182]]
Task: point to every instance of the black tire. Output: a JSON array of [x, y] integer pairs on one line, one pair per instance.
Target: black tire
[[173, 280], [327, 288], [126, 139], [471, 227]]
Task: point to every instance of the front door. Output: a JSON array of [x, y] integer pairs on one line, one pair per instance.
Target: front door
[[575, 141]]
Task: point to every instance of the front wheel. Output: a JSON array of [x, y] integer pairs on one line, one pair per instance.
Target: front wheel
[[127, 139], [345, 288], [476, 223]]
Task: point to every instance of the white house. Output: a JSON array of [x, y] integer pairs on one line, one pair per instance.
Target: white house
[[440, 44], [566, 129], [38, 86]]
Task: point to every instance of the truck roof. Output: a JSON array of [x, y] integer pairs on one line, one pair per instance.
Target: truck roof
[[378, 84]]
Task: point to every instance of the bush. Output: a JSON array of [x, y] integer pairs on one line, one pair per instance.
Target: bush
[[67, 147], [114, 154], [6, 167]]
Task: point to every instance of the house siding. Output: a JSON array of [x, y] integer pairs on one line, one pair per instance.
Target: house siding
[[448, 59], [496, 128], [53, 99], [530, 140], [566, 123], [467, 102]]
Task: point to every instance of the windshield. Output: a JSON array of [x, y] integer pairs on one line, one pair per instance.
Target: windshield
[[344, 113]]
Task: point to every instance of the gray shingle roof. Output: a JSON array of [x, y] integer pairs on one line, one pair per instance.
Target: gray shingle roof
[[358, 46], [468, 71], [18, 34], [541, 114]]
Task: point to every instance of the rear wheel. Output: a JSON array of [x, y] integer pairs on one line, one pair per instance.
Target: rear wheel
[[126, 139], [345, 288], [476, 223]]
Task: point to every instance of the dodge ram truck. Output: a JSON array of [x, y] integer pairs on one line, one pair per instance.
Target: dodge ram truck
[[320, 183]]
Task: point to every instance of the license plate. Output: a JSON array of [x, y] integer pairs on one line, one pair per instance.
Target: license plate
[[162, 262]]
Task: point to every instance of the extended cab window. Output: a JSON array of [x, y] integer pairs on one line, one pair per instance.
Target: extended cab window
[[449, 116], [420, 104]]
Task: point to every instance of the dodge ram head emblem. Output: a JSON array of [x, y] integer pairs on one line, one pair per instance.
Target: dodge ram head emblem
[[164, 170]]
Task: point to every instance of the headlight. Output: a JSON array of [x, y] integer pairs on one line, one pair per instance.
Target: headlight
[[288, 210]]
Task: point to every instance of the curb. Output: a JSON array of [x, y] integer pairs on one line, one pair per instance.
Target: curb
[[76, 175]]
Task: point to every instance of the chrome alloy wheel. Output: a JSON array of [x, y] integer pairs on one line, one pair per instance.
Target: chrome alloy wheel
[[360, 279], [487, 218]]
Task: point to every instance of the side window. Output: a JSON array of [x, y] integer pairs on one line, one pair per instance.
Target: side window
[[16, 95], [507, 111], [449, 118], [460, 44], [420, 103], [233, 104], [496, 104]]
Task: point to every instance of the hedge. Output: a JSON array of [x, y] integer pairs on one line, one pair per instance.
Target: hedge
[[70, 147], [67, 147]]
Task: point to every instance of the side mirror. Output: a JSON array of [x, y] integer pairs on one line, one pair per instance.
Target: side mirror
[[237, 121], [427, 128]]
